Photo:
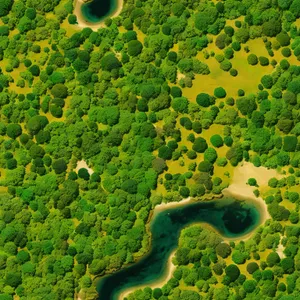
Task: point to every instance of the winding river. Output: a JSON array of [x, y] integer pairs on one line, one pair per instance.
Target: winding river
[[230, 217]]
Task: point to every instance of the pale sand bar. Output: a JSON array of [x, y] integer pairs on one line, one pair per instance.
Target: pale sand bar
[[82, 23]]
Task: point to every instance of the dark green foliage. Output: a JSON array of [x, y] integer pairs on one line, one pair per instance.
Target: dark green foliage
[[235, 154], [4, 30], [283, 39], [5, 7], [252, 59], [72, 19], [290, 143], [242, 35], [129, 186], [13, 130], [59, 166], [205, 166], [184, 192], [233, 272], [205, 18], [252, 267], [200, 145], [203, 99], [109, 62], [165, 152], [223, 249], [264, 61], [219, 92], [271, 28], [287, 265], [119, 108], [134, 47], [249, 286], [59, 90], [246, 105], [252, 182], [216, 140], [13, 279], [176, 91], [286, 52], [273, 259], [84, 174]]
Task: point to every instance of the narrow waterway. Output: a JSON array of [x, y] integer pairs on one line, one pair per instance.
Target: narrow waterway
[[230, 217]]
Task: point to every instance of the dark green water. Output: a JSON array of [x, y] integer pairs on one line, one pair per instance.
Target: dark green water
[[97, 10], [231, 218]]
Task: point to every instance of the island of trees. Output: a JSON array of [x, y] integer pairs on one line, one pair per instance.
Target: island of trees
[[163, 103]]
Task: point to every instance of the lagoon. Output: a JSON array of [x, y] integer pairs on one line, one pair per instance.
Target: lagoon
[[97, 10], [231, 218]]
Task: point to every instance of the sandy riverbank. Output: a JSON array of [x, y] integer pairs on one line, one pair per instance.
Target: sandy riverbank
[[239, 189], [163, 206], [159, 283], [82, 22]]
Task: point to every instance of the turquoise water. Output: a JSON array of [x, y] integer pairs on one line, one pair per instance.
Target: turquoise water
[[97, 10], [231, 218]]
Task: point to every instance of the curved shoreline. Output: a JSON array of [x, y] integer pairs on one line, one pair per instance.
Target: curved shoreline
[[259, 203], [82, 23], [237, 189], [160, 282]]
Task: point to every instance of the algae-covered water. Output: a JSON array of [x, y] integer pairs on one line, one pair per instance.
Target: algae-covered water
[[230, 217], [97, 10]]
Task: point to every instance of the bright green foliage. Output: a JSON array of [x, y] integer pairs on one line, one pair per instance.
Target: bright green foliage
[[210, 154], [134, 99], [205, 166], [252, 182], [216, 140], [134, 47], [180, 104], [249, 286], [13, 130], [219, 92]]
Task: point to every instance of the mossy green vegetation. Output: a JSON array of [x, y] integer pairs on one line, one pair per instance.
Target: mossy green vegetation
[[163, 102]]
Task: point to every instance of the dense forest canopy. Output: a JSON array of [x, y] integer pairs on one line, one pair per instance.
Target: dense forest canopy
[[162, 103]]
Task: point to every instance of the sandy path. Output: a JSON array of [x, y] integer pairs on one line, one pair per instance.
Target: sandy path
[[280, 249], [82, 23]]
